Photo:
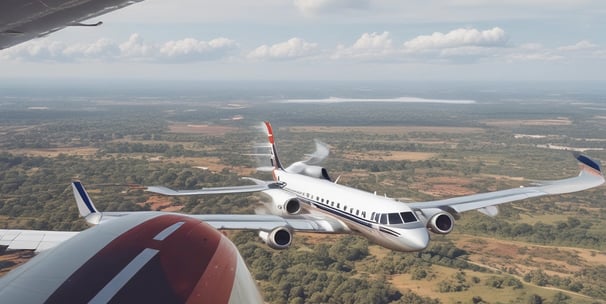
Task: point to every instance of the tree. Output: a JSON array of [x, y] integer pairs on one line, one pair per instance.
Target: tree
[[535, 299]]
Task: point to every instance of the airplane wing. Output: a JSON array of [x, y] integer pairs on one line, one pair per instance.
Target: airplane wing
[[33, 239], [589, 177], [258, 186], [257, 222], [24, 20], [303, 223]]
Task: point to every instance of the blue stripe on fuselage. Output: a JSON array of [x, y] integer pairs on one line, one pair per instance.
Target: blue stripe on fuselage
[[336, 212], [351, 217]]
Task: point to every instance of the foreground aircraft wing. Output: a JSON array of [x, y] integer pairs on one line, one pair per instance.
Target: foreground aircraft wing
[[33, 239], [259, 186], [24, 20], [589, 177]]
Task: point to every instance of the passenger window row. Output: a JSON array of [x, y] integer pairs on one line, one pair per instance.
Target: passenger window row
[[381, 218], [357, 212]]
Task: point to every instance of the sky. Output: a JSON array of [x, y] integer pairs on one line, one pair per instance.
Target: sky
[[326, 40]]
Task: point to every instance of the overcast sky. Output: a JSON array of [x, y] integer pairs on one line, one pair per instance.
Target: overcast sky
[[361, 40]]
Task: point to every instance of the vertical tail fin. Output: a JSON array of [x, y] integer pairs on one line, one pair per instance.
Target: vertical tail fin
[[275, 161], [85, 204]]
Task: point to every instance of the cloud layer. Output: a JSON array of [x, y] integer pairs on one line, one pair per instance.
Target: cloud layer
[[291, 49], [133, 49], [457, 46], [458, 38]]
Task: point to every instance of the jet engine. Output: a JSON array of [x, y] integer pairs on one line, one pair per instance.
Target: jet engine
[[283, 203], [441, 223], [279, 238]]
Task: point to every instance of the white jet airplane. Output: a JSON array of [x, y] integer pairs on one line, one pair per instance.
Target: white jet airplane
[[305, 191]]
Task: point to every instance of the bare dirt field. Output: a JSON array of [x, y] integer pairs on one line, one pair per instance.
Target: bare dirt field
[[519, 257], [213, 164], [444, 186], [161, 203], [389, 155], [560, 121], [200, 129], [387, 130]]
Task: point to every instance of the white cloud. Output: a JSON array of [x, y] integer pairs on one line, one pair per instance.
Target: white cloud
[[291, 49], [368, 46], [190, 49], [37, 50], [100, 49], [459, 45], [581, 45], [133, 49], [494, 37], [373, 41], [317, 7]]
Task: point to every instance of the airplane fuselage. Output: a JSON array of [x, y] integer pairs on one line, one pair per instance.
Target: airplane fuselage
[[146, 257], [384, 221]]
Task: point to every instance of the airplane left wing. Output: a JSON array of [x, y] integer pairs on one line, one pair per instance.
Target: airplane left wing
[[258, 222], [589, 177], [33, 239], [275, 230]]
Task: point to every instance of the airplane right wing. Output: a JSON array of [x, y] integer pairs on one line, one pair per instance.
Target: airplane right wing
[[589, 177], [257, 187]]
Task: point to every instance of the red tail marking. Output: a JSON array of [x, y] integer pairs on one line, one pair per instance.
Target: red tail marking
[[270, 132]]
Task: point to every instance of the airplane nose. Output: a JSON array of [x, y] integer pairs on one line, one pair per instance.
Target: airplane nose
[[418, 239]]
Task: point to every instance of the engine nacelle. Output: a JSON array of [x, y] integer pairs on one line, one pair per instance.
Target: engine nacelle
[[279, 238], [441, 223], [283, 202], [316, 171]]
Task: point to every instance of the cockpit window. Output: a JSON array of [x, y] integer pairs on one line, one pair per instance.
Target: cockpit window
[[408, 217], [394, 218], [383, 219]]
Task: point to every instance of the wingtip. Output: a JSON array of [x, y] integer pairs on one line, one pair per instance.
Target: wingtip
[[585, 160]]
